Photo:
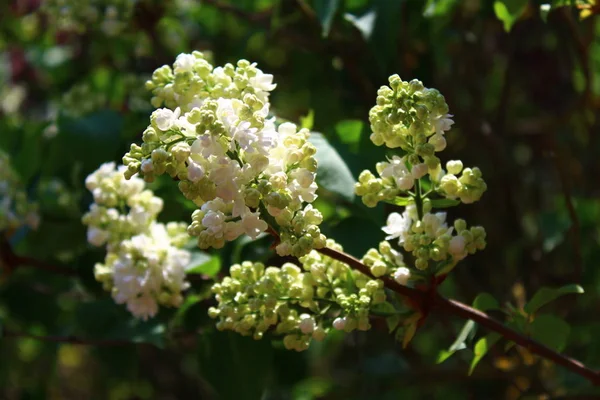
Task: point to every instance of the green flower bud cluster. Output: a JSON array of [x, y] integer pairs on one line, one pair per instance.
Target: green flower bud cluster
[[414, 118], [244, 172], [300, 304], [145, 263], [192, 79], [15, 208], [469, 187], [385, 260], [110, 16], [397, 177], [410, 116]]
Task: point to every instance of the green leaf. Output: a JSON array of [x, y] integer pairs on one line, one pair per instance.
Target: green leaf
[[236, 367], [400, 201], [459, 343], [326, 10], [482, 346], [308, 121], [546, 295], [90, 141], [509, 11], [383, 308], [204, 263], [365, 23], [312, 388], [386, 35], [411, 329], [349, 130], [444, 203], [105, 320], [436, 8], [333, 173], [392, 322], [485, 301], [518, 322], [551, 331], [357, 235]]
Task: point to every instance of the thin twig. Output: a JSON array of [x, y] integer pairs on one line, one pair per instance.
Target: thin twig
[[442, 304]]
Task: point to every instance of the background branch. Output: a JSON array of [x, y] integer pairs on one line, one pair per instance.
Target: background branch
[[11, 261]]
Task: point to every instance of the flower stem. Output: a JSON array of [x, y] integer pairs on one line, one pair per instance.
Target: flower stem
[[419, 199]]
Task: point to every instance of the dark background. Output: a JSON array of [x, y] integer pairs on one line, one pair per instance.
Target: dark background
[[525, 104]]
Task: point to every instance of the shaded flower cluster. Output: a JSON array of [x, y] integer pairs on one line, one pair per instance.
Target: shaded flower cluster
[[145, 263], [111, 16], [415, 119], [15, 208], [298, 303]]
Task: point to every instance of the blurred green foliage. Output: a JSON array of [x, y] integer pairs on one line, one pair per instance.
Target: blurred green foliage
[[521, 78]]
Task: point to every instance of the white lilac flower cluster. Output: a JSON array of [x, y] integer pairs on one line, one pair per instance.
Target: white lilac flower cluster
[[433, 244], [414, 119], [300, 304], [111, 16], [216, 138], [15, 208], [145, 263]]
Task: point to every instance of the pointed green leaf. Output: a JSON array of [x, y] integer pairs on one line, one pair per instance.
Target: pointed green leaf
[[308, 121], [365, 23], [326, 10], [436, 8], [459, 343], [485, 301], [392, 322], [349, 130], [411, 329], [509, 11], [551, 331], [546, 295], [333, 173], [482, 346], [400, 201], [203, 263], [444, 203]]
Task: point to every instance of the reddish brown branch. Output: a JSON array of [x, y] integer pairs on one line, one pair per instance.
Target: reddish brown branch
[[442, 304], [11, 261]]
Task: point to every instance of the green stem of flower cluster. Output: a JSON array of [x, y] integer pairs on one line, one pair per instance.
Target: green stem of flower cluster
[[418, 199]]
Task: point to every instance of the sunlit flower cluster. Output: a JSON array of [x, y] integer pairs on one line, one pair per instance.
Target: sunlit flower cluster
[[145, 263], [299, 303], [15, 208], [242, 170], [434, 245]]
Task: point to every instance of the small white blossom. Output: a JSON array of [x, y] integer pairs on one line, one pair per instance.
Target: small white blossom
[[402, 275], [165, 118]]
